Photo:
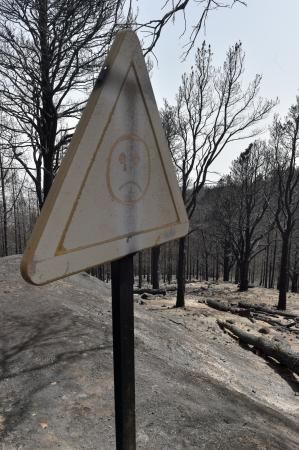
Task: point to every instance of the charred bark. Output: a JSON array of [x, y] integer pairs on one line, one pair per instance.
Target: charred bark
[[4, 207], [140, 269], [284, 273], [244, 282], [180, 300], [155, 267]]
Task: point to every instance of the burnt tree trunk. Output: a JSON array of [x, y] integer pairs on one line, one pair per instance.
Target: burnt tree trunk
[[48, 113], [155, 269], [140, 269], [273, 263], [225, 268], [267, 272], [237, 272], [244, 266], [197, 266], [206, 266], [48, 170], [294, 287], [252, 277], [284, 272], [295, 272], [15, 212], [148, 266], [188, 259], [4, 207], [180, 299], [228, 262], [164, 263], [169, 264]]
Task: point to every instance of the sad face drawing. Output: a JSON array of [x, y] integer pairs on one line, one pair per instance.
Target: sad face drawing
[[128, 170]]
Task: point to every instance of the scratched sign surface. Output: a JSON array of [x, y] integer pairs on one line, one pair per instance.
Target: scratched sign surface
[[128, 170], [116, 192]]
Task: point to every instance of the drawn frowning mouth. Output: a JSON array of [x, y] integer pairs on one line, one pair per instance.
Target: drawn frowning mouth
[[130, 183]]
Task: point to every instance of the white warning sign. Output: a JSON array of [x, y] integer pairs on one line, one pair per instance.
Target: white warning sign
[[116, 191]]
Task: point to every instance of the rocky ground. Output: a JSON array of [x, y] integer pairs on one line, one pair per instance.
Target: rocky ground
[[196, 387]]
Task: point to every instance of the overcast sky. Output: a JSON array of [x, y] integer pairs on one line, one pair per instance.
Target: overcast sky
[[269, 32]]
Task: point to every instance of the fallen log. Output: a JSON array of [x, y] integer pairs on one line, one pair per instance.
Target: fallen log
[[250, 313], [154, 291], [272, 320], [281, 352], [222, 306], [275, 322], [217, 304], [267, 310], [149, 291]]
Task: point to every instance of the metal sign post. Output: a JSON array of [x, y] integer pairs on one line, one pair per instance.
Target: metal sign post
[[123, 352]]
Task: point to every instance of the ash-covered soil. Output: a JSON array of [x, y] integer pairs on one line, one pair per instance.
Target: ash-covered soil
[[196, 387]]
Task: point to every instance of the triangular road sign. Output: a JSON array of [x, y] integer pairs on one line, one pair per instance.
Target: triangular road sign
[[116, 191]]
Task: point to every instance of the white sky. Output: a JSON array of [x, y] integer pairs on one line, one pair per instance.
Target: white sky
[[269, 32]]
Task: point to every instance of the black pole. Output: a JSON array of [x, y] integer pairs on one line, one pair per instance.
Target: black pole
[[122, 272]]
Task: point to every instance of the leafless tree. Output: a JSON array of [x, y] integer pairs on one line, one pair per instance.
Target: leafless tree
[[172, 8], [3, 214], [285, 154], [17, 205], [49, 53], [219, 221], [155, 266], [211, 111], [249, 196], [294, 262]]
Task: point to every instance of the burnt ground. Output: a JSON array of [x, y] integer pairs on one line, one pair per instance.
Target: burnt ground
[[196, 387]]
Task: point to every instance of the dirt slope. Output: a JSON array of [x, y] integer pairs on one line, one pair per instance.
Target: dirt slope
[[196, 388]]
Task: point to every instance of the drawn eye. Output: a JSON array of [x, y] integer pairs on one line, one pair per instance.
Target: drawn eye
[[123, 161]]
